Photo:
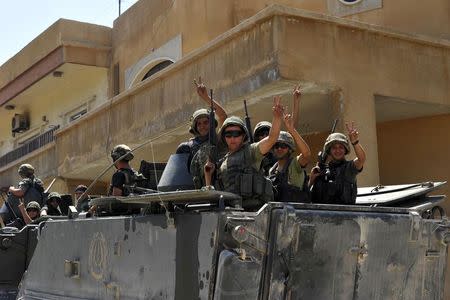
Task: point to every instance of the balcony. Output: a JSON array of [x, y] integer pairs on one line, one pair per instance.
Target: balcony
[[30, 146]]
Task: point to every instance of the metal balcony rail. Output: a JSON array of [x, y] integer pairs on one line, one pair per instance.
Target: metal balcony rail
[[28, 147]]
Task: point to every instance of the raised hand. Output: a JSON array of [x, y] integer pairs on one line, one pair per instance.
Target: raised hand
[[201, 88], [278, 109], [353, 134], [289, 122], [296, 93]]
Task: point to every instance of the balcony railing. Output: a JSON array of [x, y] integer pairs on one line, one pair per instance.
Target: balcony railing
[[30, 146]]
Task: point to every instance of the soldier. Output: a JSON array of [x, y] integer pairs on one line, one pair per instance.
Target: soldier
[[125, 178], [52, 206], [262, 130], [288, 175], [31, 212], [338, 184], [82, 204], [239, 170], [200, 129], [30, 187]]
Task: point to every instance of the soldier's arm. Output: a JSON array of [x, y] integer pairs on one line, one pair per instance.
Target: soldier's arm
[[266, 143], [24, 213], [353, 135], [305, 153], [203, 93], [18, 192]]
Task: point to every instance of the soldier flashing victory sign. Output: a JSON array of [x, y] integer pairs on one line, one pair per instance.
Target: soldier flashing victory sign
[[338, 185]]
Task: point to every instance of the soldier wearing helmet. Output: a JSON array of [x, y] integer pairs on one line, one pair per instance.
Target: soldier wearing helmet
[[124, 177], [52, 206], [30, 188], [199, 128], [288, 175], [339, 186], [31, 212], [82, 204], [239, 170]]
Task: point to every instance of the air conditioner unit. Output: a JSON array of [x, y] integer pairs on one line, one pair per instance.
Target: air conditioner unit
[[19, 123]]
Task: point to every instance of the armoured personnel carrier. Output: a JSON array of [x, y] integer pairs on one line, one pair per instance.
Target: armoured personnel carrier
[[200, 245]]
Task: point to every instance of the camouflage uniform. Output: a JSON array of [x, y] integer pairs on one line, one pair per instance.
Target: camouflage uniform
[[269, 159], [239, 172], [289, 183], [341, 185]]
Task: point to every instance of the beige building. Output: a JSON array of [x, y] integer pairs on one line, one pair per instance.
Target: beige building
[[78, 89]]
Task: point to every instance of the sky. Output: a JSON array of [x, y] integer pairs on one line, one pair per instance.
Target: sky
[[23, 20]]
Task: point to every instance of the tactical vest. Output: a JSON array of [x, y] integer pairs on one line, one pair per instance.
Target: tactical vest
[[285, 192], [237, 175], [337, 189], [35, 191], [267, 163], [131, 179]]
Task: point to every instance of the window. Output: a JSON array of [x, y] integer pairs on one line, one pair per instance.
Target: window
[[350, 2], [157, 68], [77, 115]]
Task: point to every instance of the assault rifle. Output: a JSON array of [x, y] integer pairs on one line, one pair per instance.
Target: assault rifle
[[322, 156], [213, 155], [248, 124]]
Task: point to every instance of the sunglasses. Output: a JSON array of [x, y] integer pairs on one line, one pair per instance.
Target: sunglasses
[[280, 145], [232, 133], [262, 133]]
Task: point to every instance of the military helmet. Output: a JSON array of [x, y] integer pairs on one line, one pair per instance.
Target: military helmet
[[203, 112], [33, 205], [336, 138], [53, 195], [26, 170], [119, 151], [233, 121], [80, 189], [286, 138], [261, 126]]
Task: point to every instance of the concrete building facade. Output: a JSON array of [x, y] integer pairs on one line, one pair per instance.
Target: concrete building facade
[[83, 88]]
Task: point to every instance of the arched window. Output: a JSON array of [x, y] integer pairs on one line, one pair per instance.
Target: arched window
[[350, 2], [157, 68]]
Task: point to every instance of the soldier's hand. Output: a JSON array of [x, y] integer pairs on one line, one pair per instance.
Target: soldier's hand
[[209, 168], [278, 109], [297, 93], [289, 122], [11, 188], [353, 134], [315, 172], [201, 88]]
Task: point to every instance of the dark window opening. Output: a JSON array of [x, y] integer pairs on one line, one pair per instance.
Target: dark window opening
[[157, 68]]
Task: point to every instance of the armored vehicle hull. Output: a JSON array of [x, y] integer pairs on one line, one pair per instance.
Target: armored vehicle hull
[[283, 251]]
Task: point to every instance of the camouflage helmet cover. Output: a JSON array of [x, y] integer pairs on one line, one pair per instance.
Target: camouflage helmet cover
[[233, 121], [260, 126], [26, 170], [119, 151], [33, 205], [54, 195], [337, 138], [203, 112], [286, 138]]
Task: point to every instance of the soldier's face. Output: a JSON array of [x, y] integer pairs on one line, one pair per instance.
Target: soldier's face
[[234, 141], [280, 150], [202, 126], [337, 151], [33, 213]]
